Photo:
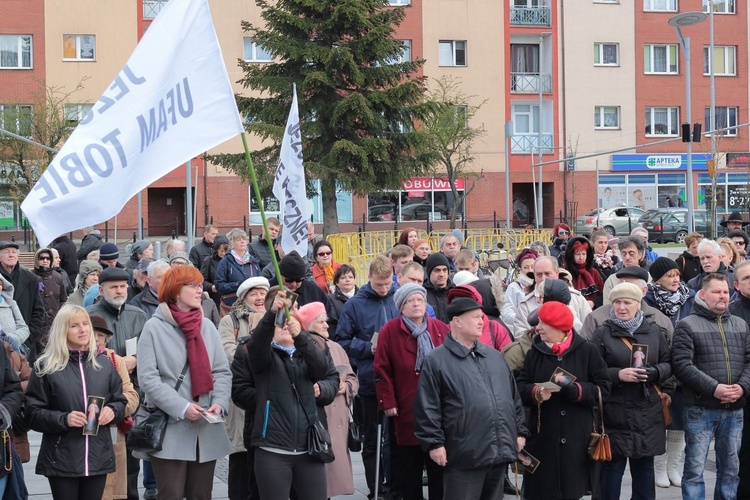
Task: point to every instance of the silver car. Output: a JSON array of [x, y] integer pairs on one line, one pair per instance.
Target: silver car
[[618, 221]]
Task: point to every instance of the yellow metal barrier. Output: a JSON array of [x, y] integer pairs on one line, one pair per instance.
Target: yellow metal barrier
[[359, 249]]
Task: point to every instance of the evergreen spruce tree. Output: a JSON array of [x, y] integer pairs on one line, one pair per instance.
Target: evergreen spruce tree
[[358, 103]]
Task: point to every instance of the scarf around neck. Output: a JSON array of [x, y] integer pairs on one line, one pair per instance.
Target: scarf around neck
[[424, 341], [669, 302], [288, 350], [201, 375], [559, 348], [240, 260], [604, 260], [629, 326]]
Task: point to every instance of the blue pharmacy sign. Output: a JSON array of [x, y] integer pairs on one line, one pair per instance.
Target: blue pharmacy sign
[[657, 161]]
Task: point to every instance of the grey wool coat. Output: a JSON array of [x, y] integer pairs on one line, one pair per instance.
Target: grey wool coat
[[162, 354]]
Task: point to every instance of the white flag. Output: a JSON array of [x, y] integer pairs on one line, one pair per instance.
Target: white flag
[[171, 102], [289, 186]]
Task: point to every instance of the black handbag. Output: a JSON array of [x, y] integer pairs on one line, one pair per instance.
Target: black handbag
[[354, 437], [318, 437], [150, 424]]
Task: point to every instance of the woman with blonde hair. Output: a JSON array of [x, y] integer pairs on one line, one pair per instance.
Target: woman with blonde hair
[[729, 251], [70, 371]]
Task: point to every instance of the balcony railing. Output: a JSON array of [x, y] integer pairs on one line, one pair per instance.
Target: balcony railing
[[528, 83], [530, 143], [152, 7], [530, 16]]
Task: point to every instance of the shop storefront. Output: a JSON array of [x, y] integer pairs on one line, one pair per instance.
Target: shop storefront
[[420, 198]]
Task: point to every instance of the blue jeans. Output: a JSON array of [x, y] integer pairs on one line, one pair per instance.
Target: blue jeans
[[701, 425]]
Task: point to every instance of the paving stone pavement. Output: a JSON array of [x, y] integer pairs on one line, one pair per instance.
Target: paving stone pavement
[[39, 487]]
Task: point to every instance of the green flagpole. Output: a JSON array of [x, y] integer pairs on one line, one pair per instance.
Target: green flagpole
[[256, 189]]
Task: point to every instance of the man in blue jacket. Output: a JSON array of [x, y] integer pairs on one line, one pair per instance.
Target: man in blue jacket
[[363, 315]]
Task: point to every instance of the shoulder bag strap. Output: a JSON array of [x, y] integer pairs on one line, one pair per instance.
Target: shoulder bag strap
[[181, 378], [299, 400], [656, 387], [601, 408]]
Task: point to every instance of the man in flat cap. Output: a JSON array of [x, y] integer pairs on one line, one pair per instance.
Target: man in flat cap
[[25, 293], [466, 388]]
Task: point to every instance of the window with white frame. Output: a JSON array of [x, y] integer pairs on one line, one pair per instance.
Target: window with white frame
[[606, 117], [606, 54], [17, 118], [525, 119], [16, 52], [662, 121], [405, 54], [660, 59], [720, 6], [399, 2], [725, 60], [452, 53], [660, 5], [74, 113], [79, 47], [726, 117], [253, 52]]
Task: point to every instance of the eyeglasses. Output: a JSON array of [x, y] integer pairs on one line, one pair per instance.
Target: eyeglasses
[[563, 232], [286, 280], [197, 286], [323, 254]]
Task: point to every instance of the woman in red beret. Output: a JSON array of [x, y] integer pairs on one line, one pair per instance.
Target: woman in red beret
[[560, 421]]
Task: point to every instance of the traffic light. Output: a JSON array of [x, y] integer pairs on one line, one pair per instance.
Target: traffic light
[[696, 133]]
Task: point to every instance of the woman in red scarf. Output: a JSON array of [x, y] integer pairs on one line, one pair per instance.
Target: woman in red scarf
[[560, 421], [579, 261], [178, 338]]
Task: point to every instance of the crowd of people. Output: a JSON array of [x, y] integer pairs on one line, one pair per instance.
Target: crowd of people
[[441, 375]]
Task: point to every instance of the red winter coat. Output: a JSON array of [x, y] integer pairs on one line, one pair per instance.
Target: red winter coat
[[396, 379]]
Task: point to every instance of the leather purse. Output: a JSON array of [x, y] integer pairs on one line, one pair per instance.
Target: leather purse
[[600, 448], [318, 437], [150, 425]]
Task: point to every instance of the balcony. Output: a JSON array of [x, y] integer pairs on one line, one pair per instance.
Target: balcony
[[528, 83], [152, 7], [530, 16], [530, 143]]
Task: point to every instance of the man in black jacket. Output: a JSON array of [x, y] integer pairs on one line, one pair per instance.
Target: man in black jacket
[[25, 293], [260, 246], [438, 283], [468, 408], [741, 308], [203, 248], [67, 250], [711, 357]]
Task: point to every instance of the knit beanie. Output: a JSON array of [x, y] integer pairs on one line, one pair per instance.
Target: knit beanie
[[464, 278], [557, 315], [307, 313], [406, 291], [418, 243], [139, 246], [660, 267], [109, 251], [434, 260], [292, 266]]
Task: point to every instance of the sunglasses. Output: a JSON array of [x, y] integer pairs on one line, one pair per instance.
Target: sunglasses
[[293, 281], [739, 243], [323, 254], [44, 258], [563, 232]]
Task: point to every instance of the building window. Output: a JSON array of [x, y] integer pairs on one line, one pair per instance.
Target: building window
[[452, 53], [725, 117], [662, 121], [79, 47], [15, 52], [606, 54], [405, 54], [255, 53], [74, 113], [420, 199], [720, 6], [660, 5], [607, 117], [399, 2], [725, 60], [17, 118], [660, 59]]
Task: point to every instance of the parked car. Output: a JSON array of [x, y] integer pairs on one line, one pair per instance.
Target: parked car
[[380, 213], [423, 211], [618, 221], [670, 224]]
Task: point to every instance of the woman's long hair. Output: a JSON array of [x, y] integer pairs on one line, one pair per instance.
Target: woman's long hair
[[56, 355]]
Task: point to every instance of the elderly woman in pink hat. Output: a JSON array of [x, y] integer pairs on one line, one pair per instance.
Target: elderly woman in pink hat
[[340, 481]]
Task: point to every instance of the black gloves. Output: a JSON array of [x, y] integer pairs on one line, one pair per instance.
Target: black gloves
[[652, 374], [571, 392]]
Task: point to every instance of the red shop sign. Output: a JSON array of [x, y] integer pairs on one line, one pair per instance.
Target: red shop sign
[[430, 184]]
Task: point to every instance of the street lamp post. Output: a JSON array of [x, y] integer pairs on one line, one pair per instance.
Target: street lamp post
[[679, 21]]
